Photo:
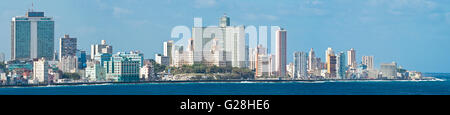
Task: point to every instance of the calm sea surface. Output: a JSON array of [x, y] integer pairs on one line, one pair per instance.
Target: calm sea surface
[[291, 88]]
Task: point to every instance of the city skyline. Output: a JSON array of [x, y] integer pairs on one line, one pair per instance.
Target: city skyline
[[403, 51]]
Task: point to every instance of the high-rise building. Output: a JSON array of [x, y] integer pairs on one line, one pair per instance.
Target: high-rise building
[[389, 70], [300, 65], [221, 46], [312, 61], [224, 21], [331, 63], [281, 37], [262, 62], [67, 46], [235, 46], [82, 59], [32, 36], [40, 70], [368, 62], [252, 58], [341, 65], [351, 56], [168, 47], [328, 52], [100, 49]]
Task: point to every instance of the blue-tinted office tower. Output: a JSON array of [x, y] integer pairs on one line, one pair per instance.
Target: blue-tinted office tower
[[82, 59], [341, 65], [32, 36]]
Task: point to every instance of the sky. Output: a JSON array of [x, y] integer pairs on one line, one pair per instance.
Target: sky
[[413, 33]]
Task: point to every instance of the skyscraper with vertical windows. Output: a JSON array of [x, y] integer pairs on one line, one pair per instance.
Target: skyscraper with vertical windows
[[351, 56], [67, 47], [32, 36], [168, 46], [222, 45], [311, 61], [40, 70], [300, 65], [280, 53], [368, 62], [341, 65], [331, 63]]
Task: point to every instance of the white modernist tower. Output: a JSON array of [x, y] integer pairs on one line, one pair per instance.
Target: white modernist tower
[[224, 45]]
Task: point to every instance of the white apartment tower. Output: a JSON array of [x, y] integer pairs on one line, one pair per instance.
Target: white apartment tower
[[100, 49], [300, 65], [351, 56], [368, 61], [40, 70]]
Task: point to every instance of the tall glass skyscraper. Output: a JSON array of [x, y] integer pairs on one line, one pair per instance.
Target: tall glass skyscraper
[[341, 65], [32, 36]]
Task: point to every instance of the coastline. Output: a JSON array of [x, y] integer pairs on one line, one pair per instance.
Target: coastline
[[222, 81]]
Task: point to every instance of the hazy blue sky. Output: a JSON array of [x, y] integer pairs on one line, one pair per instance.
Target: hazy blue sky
[[414, 33]]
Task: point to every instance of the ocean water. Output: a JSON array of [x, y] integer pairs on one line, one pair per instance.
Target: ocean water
[[289, 88]]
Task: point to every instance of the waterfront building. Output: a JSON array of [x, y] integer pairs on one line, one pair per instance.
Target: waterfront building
[[221, 46], [100, 49], [68, 64], [67, 46], [389, 70], [312, 65], [290, 70], [168, 48], [162, 60], [368, 62], [414, 75], [373, 74], [331, 68], [40, 70], [351, 56], [341, 65], [331, 63], [319, 65], [102, 58], [328, 53], [95, 71], [146, 72], [263, 65], [280, 53], [272, 65], [262, 62], [300, 65], [32, 36], [124, 67], [181, 57]]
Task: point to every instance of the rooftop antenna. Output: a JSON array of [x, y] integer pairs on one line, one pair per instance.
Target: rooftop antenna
[[32, 6]]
